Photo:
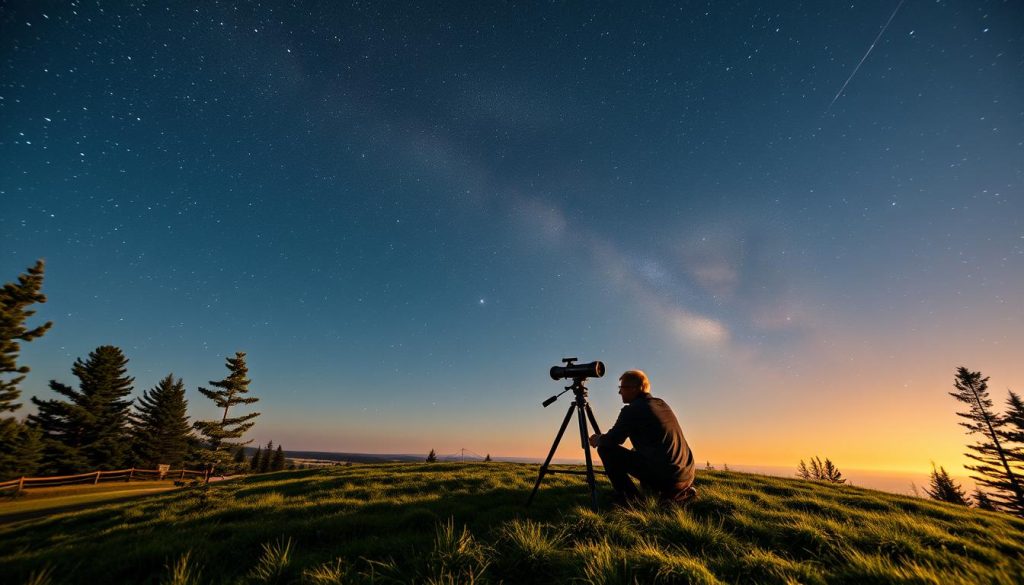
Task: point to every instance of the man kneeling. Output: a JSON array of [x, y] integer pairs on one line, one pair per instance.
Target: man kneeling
[[661, 460]]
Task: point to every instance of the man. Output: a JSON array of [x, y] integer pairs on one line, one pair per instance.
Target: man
[[660, 458]]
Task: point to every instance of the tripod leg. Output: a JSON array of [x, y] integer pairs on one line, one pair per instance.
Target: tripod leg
[[554, 447], [593, 421], [586, 450]]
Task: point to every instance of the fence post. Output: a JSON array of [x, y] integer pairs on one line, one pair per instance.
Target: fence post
[[130, 474], [182, 472], [21, 483], [97, 480]]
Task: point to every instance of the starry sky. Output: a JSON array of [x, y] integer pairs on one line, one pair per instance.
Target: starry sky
[[797, 223]]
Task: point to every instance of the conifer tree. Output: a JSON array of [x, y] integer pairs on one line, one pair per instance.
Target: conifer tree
[[488, 458], [277, 464], [239, 457], [432, 457], [993, 468], [819, 471], [90, 429], [982, 501], [15, 298], [255, 462], [160, 425], [268, 458], [944, 489], [230, 392]]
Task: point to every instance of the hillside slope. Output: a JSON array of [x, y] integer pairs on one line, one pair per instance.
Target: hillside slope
[[462, 523]]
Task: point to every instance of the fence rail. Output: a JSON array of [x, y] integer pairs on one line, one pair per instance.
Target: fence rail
[[95, 477]]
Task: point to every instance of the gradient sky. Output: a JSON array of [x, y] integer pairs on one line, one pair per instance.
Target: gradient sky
[[406, 214]]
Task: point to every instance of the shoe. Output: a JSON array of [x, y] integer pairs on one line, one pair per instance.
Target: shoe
[[681, 497]]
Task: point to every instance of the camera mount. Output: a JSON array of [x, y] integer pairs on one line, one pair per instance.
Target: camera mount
[[580, 373]]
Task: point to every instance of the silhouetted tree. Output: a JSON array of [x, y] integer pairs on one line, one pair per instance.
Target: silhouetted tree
[[15, 300], [993, 467], [944, 489], [160, 425], [268, 458], [89, 430], [239, 457], [432, 457], [819, 471], [488, 458], [230, 392], [277, 464], [257, 460], [982, 502]]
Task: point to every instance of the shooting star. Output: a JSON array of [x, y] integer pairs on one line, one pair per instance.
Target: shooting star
[[857, 68]]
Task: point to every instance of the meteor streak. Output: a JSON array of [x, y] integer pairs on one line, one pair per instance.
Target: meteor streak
[[857, 68]]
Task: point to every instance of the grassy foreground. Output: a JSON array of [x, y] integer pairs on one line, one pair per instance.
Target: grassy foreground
[[465, 523]]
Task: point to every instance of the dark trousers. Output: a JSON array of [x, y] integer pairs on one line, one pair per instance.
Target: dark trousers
[[620, 463]]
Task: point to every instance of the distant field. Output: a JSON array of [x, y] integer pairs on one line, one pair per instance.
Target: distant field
[[466, 523]]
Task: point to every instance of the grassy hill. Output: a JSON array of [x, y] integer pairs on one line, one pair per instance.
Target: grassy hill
[[464, 523]]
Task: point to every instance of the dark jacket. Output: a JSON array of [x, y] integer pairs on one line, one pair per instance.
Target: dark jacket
[[652, 427]]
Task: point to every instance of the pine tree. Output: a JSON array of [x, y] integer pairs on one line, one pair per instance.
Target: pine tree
[[488, 458], [277, 464], [256, 461], [944, 489], [802, 472], [982, 501], [231, 392], [819, 471], [21, 453], [89, 430], [239, 457], [160, 425], [15, 298], [268, 458], [993, 467], [432, 457]]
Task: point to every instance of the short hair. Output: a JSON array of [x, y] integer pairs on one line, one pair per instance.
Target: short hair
[[637, 377]]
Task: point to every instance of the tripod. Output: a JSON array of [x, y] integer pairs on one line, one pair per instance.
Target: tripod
[[584, 413]]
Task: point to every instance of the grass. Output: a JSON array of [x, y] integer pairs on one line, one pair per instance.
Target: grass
[[39, 500], [466, 523]]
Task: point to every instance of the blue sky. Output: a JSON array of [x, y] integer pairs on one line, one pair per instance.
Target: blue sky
[[406, 215]]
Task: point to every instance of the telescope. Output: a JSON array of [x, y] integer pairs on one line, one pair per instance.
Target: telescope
[[579, 374], [576, 371]]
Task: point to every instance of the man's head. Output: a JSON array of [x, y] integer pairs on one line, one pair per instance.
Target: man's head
[[633, 384]]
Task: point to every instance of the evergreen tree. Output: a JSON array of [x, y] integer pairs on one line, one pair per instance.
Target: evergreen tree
[[239, 457], [802, 472], [277, 464], [993, 459], [819, 471], [230, 392], [89, 430], [268, 458], [256, 461], [944, 489], [160, 425], [488, 458], [21, 453], [15, 298], [432, 457], [982, 501]]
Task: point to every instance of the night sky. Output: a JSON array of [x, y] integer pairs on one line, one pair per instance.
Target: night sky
[[406, 214]]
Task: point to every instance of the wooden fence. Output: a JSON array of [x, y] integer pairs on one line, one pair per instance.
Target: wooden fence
[[95, 477]]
